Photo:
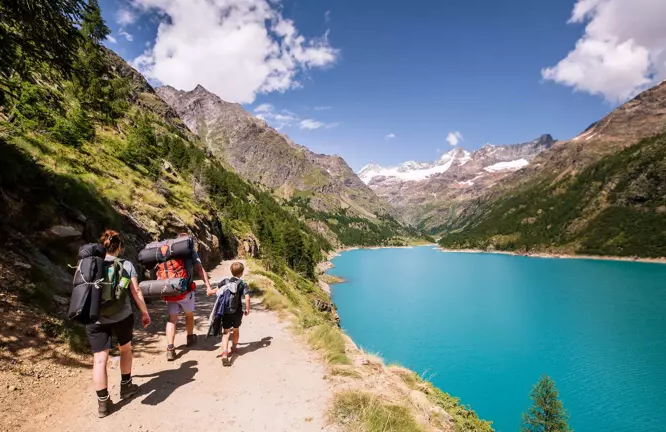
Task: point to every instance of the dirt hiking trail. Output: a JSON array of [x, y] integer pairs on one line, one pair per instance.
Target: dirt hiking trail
[[275, 383]]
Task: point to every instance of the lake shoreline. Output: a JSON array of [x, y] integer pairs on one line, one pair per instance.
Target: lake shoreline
[[559, 256], [598, 317]]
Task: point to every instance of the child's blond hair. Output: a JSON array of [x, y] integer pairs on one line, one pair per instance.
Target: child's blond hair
[[237, 269]]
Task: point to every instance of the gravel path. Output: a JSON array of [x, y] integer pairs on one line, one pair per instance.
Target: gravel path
[[274, 384]]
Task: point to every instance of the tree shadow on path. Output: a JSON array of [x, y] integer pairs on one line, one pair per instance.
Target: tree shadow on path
[[165, 382]]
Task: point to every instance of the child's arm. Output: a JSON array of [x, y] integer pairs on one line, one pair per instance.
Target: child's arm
[[211, 291]]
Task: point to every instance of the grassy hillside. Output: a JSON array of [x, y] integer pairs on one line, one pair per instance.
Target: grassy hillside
[[616, 206], [95, 147]]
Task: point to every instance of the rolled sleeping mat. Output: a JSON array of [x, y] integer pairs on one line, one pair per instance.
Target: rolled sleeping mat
[[163, 288], [79, 304], [158, 252], [92, 250], [89, 271]]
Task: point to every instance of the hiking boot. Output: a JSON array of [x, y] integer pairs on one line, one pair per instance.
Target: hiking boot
[[171, 354], [104, 407], [191, 340], [225, 359], [128, 390]]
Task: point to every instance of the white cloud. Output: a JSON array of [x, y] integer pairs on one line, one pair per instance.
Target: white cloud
[[125, 17], [622, 52], [286, 118], [126, 35], [327, 16], [322, 108], [264, 108], [111, 39], [454, 138], [235, 48], [311, 124], [389, 136]]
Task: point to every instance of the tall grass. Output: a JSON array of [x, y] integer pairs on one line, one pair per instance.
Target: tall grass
[[330, 340], [299, 294], [364, 412]]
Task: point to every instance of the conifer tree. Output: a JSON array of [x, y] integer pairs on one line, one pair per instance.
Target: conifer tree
[[547, 414], [99, 91], [37, 31], [93, 27]]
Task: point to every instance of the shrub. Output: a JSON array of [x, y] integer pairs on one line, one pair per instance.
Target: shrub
[[74, 129]]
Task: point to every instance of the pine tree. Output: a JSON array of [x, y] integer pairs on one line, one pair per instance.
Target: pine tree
[[37, 31], [547, 414], [98, 90]]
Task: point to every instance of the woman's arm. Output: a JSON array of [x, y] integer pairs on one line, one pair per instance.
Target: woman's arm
[[140, 302]]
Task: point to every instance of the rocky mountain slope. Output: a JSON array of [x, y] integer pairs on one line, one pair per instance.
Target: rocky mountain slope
[[604, 192], [261, 154], [428, 193]]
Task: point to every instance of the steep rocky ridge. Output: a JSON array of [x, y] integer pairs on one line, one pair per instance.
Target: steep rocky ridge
[[431, 193], [261, 154], [600, 193]]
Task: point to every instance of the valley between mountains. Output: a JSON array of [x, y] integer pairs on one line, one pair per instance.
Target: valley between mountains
[[87, 143]]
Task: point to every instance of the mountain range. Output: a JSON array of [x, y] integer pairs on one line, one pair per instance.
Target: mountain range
[[456, 197], [601, 193], [321, 188], [422, 192]]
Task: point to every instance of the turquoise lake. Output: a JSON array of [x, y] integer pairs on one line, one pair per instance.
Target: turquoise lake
[[484, 327]]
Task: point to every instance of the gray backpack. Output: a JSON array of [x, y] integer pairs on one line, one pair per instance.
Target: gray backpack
[[235, 288]]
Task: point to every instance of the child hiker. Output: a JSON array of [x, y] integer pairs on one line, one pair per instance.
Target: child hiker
[[233, 300]]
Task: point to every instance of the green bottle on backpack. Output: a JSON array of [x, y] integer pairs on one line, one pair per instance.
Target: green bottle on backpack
[[114, 288]]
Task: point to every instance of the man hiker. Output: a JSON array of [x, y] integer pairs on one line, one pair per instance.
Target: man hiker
[[184, 303]]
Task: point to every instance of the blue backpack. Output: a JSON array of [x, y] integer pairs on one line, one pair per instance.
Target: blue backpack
[[230, 292]]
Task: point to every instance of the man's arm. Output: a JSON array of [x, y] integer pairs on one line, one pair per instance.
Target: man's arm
[[204, 276]]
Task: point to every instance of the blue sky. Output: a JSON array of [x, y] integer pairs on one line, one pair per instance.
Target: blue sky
[[386, 81]]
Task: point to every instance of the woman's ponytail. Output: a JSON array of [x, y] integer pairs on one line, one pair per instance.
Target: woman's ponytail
[[111, 241]]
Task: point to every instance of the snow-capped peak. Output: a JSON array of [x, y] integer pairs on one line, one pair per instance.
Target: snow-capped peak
[[414, 171]]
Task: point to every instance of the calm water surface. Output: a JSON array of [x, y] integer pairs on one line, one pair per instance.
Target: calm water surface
[[484, 327]]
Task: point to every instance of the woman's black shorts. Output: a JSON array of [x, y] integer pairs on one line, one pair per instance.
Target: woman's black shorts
[[99, 335]]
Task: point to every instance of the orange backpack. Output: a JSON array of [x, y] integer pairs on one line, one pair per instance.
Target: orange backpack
[[174, 269]]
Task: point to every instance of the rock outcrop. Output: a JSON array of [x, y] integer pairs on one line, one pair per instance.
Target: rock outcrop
[[261, 154]]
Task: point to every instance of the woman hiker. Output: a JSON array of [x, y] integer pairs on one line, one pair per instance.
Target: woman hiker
[[121, 324]]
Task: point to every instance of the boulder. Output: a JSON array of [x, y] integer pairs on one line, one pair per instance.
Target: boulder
[[248, 247], [322, 306], [63, 232]]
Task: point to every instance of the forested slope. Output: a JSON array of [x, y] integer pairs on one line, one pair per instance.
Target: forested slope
[[86, 144], [616, 206]]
